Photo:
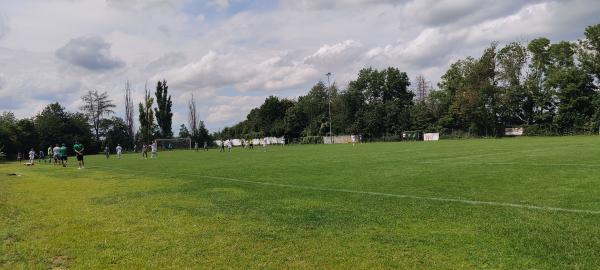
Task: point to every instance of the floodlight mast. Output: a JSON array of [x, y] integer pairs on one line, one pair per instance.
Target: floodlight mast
[[329, 95]]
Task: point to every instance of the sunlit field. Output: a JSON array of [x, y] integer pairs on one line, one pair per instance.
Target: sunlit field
[[466, 204]]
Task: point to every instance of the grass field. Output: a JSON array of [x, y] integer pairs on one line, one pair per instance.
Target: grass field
[[471, 204]]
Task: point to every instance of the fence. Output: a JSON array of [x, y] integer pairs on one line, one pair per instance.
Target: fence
[[241, 142], [338, 139]]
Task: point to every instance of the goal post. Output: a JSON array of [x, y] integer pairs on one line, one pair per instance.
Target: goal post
[[174, 144]]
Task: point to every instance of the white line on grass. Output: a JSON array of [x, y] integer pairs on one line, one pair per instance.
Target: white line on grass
[[471, 202], [514, 163]]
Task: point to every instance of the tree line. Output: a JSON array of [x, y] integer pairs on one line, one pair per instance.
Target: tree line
[[95, 125], [546, 88]]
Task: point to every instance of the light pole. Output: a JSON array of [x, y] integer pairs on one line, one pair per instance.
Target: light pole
[[329, 95]]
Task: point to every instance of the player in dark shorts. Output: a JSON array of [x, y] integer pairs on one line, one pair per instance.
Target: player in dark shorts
[[63, 155], [144, 151], [78, 147]]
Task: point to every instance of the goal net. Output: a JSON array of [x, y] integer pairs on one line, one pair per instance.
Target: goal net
[[174, 144], [413, 135]]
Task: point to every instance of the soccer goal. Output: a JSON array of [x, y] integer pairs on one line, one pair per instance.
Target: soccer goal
[[174, 144], [413, 135]]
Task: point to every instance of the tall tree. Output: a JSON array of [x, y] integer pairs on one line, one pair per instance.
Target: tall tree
[[8, 134], [184, 132], [573, 87], [544, 100], [28, 136], [295, 122], [146, 117], [421, 88], [589, 52], [589, 57], [164, 116], [129, 114], [193, 120], [515, 101], [115, 131], [271, 116], [312, 108], [397, 100], [202, 134], [52, 123], [387, 101], [96, 106]]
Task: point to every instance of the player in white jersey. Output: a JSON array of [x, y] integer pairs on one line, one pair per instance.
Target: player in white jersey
[[154, 147], [56, 154], [353, 138], [265, 140], [31, 156], [229, 145], [119, 150]]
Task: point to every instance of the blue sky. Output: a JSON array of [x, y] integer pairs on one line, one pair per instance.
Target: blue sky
[[232, 54]]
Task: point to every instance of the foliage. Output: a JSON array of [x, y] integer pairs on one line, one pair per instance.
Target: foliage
[[267, 120], [184, 132], [376, 104], [164, 116], [148, 128], [115, 132], [96, 106], [56, 126], [199, 133], [129, 116], [53, 125]]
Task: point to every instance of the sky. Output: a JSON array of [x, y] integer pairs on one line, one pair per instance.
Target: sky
[[232, 54]]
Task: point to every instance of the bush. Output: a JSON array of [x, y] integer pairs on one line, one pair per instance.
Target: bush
[[539, 130]]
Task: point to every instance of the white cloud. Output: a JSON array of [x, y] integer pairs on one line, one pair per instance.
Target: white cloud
[[221, 4], [242, 71], [232, 108], [140, 5], [4, 27], [339, 53], [327, 4], [461, 12]]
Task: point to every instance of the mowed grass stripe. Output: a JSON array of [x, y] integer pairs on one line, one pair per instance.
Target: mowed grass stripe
[[463, 201]]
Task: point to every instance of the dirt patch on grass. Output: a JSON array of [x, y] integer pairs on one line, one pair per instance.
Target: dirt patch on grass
[[60, 262], [10, 239]]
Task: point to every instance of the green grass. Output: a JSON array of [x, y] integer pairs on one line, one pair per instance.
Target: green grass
[[301, 207]]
